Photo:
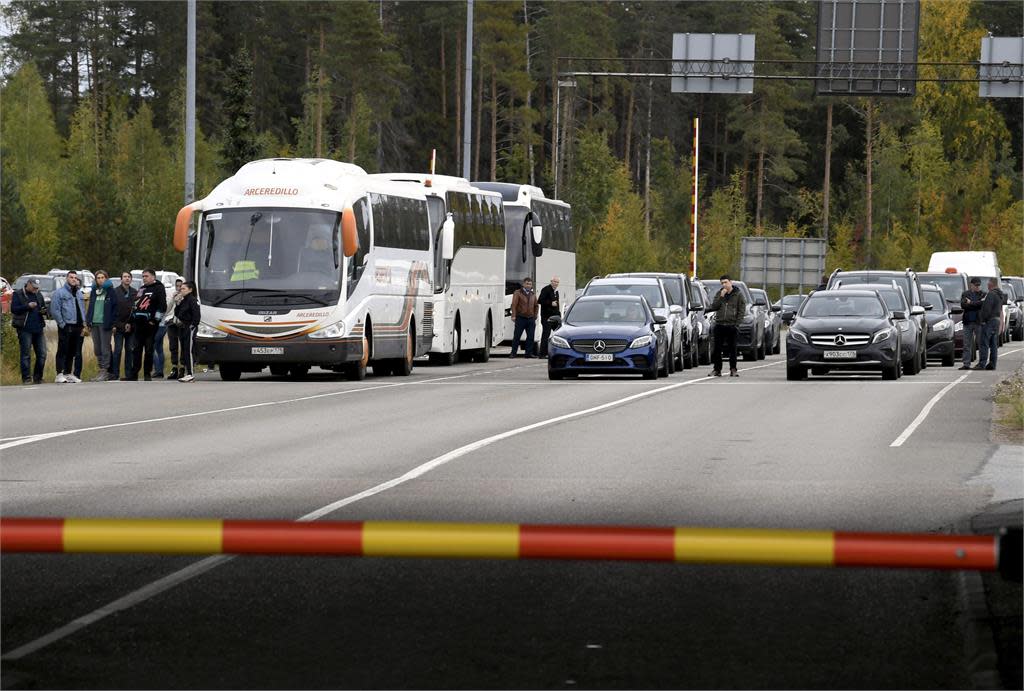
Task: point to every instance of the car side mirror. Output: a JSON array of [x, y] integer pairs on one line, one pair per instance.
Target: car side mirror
[[956, 309], [899, 315], [928, 307], [555, 321], [917, 309], [695, 308], [675, 309], [660, 319], [787, 315], [776, 308]]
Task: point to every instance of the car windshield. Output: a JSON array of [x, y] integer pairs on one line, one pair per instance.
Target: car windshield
[[606, 312], [842, 306], [952, 284], [874, 277], [282, 253], [46, 283], [651, 291]]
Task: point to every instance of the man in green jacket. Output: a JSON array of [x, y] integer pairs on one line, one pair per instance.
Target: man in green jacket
[[729, 308]]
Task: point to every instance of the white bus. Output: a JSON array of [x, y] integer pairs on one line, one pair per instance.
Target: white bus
[[469, 290], [538, 255], [310, 262]]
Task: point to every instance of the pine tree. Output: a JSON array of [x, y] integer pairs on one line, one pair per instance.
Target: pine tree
[[239, 131]]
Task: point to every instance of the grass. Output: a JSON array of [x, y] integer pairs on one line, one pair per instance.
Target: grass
[[1009, 400], [10, 370]]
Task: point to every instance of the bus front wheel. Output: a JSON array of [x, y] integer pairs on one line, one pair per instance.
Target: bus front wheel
[[230, 372]]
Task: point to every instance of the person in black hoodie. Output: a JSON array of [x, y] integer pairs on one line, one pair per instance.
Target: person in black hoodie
[[150, 305], [123, 341], [187, 315]]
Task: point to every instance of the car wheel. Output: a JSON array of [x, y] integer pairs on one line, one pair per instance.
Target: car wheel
[[796, 372], [891, 373], [704, 353], [948, 361], [912, 366], [670, 362], [663, 371], [924, 359], [749, 355], [230, 372], [778, 343], [553, 375]]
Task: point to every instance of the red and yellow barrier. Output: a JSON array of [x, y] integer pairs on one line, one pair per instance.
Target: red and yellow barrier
[[500, 541]]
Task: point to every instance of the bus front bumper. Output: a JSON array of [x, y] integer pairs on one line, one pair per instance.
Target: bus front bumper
[[324, 353]]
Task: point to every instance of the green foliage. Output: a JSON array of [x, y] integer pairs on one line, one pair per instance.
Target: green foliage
[[720, 229]]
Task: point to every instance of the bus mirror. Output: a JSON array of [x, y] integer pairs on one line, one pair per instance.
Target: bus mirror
[[448, 239], [181, 226], [538, 240], [349, 238]]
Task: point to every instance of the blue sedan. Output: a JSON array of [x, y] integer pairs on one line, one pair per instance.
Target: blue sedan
[[606, 334]]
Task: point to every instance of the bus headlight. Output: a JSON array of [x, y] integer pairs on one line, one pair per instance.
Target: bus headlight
[[335, 330], [207, 331]]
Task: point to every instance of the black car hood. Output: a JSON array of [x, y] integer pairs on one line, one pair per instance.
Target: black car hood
[[812, 325], [625, 331]]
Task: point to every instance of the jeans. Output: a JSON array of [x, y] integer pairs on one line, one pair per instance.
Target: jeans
[[69, 349], [29, 342], [988, 351], [144, 338], [122, 342], [524, 324], [158, 349], [101, 346], [973, 334], [725, 339]]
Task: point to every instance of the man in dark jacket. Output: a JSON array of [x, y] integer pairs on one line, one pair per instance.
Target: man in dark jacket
[[524, 316], [123, 328], [27, 314], [100, 321], [729, 308], [971, 301], [150, 305], [549, 307], [992, 320]]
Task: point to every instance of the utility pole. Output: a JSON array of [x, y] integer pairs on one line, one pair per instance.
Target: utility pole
[[467, 118], [190, 107]]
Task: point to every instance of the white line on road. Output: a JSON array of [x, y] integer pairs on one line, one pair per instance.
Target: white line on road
[[924, 412], [201, 567]]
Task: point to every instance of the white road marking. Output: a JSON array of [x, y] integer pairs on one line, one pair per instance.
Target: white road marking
[[924, 412], [189, 572]]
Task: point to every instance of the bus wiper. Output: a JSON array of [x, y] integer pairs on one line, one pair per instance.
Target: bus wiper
[[233, 293], [298, 295]]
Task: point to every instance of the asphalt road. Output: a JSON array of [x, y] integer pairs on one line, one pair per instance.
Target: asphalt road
[[757, 451]]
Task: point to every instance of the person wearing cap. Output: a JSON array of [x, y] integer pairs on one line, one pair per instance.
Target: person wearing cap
[[971, 300], [27, 310]]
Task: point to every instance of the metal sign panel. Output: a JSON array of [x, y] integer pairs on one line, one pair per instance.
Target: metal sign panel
[[867, 47], [782, 262], [707, 63], [1002, 59]]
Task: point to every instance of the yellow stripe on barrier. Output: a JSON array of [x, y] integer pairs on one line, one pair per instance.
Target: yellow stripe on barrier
[[803, 548], [146, 536], [454, 540]]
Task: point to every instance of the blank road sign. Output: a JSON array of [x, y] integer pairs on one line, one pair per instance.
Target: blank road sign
[[1002, 60], [713, 63]]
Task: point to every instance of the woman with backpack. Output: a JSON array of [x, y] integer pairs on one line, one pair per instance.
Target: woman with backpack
[[187, 314]]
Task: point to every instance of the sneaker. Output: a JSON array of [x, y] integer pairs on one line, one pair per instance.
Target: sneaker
[[60, 379], [26, 381], [147, 378], [990, 367], [72, 379], [158, 375], [187, 378], [714, 373], [733, 373], [37, 381], [966, 367]]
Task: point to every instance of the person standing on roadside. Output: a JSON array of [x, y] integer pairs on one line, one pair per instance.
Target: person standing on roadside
[[150, 305], [187, 313], [729, 308], [971, 301], [27, 317], [123, 328], [68, 309], [100, 321], [549, 307], [171, 326], [524, 315], [991, 324]]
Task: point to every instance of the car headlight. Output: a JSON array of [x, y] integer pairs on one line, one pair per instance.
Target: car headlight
[[335, 330], [883, 335], [641, 341], [559, 342], [798, 335], [904, 325], [959, 326], [942, 325], [207, 331]]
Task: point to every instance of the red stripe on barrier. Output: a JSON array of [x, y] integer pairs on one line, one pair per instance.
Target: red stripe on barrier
[[31, 534], [289, 537], [569, 542], [916, 551]]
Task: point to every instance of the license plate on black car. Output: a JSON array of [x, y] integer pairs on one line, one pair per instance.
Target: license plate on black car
[[264, 350], [600, 357], [840, 354]]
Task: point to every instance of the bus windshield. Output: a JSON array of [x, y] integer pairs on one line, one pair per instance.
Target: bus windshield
[[270, 256]]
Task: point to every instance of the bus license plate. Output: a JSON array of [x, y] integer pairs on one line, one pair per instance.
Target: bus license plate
[[840, 354], [263, 350], [600, 357]]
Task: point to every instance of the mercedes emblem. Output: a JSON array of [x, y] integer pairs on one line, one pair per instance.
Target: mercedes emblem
[[599, 346]]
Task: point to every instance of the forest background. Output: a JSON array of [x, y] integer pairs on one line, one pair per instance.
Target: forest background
[[91, 128]]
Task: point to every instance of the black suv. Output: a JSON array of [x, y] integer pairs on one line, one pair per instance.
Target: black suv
[[907, 280], [953, 285], [846, 330]]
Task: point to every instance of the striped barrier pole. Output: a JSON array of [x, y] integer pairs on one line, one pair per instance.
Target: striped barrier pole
[[511, 541]]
